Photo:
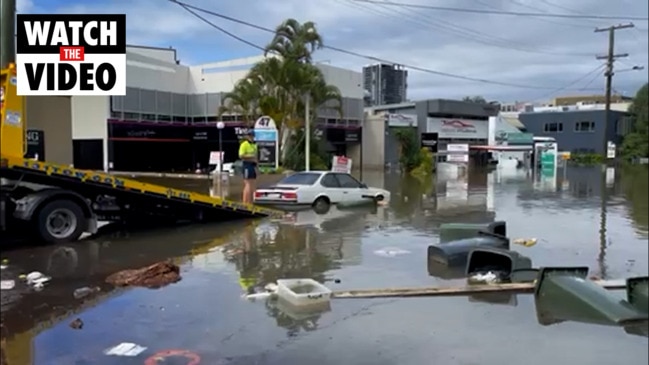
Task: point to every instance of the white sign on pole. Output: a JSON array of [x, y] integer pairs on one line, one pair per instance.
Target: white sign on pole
[[341, 164], [216, 157], [457, 158], [458, 148], [265, 122], [610, 150]]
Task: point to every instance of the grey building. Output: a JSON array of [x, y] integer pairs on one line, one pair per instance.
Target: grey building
[[454, 121], [578, 131], [385, 84]]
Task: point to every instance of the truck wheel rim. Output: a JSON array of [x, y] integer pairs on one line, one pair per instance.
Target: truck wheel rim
[[61, 223]]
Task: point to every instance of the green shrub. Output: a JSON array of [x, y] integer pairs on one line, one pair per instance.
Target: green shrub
[[586, 159], [426, 163]]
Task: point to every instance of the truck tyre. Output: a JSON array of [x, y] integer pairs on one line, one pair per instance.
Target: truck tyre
[[60, 221]]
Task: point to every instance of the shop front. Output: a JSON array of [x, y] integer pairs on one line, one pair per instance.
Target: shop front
[[456, 131], [205, 139], [149, 147], [157, 147]]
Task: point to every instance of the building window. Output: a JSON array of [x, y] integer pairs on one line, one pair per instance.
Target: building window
[[148, 117], [553, 127], [585, 126]]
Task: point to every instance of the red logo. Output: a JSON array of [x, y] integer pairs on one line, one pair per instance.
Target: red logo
[[456, 123]]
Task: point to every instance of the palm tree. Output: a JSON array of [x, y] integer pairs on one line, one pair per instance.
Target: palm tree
[[242, 100], [295, 41], [278, 85]]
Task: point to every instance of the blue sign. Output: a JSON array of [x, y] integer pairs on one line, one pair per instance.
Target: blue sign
[[265, 135]]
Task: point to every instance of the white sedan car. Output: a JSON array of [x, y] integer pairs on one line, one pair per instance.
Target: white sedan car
[[318, 189]]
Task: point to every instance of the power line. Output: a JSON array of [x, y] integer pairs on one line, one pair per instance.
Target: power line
[[597, 71], [352, 53], [410, 15], [192, 12], [503, 12], [521, 4]]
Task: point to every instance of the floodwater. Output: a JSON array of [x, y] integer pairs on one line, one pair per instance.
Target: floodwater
[[206, 315]]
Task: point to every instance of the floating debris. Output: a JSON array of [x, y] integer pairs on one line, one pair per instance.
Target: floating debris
[[489, 277], [77, 324], [125, 349], [270, 291], [391, 252], [153, 276], [257, 296], [271, 287], [84, 292], [36, 279], [7, 284], [527, 242]]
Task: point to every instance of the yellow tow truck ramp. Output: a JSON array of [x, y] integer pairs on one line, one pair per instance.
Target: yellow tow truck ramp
[[59, 202]]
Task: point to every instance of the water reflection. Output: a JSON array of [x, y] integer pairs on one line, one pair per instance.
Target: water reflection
[[220, 263], [25, 312], [303, 245]]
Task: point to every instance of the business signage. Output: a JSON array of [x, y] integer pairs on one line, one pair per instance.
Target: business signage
[[514, 139], [266, 153], [35, 144], [461, 148], [401, 120], [267, 147], [135, 132], [458, 158], [453, 128], [352, 135], [429, 140]]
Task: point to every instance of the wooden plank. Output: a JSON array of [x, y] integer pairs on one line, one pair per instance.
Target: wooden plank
[[521, 288]]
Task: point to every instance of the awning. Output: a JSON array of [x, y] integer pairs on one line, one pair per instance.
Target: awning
[[501, 148]]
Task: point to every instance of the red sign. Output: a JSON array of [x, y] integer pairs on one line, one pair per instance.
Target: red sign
[[456, 123]]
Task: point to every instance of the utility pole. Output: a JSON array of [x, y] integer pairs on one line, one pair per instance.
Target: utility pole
[[307, 133], [7, 26], [610, 58]]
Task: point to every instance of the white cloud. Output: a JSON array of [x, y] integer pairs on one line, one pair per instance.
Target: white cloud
[[521, 50]]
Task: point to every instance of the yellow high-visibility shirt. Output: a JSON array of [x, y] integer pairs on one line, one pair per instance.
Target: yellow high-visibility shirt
[[247, 149]]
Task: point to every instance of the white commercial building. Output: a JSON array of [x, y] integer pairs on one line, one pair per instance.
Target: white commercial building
[[165, 102]]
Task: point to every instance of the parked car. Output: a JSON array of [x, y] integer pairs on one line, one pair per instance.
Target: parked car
[[318, 189]]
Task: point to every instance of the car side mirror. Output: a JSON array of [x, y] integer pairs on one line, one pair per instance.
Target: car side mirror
[[363, 186]]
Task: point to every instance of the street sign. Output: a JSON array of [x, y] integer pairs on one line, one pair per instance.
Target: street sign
[[430, 140], [265, 122], [610, 150], [341, 164]]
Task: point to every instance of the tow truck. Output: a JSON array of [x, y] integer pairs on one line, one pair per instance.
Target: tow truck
[[57, 203]]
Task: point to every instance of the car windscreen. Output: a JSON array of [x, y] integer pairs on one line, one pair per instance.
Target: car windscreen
[[303, 178]]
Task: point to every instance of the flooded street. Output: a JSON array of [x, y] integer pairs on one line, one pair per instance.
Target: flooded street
[[382, 247]]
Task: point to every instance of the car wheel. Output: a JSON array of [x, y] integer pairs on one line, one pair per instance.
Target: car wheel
[[379, 198], [321, 205]]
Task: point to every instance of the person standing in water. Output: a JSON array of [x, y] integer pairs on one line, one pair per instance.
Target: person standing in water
[[248, 154]]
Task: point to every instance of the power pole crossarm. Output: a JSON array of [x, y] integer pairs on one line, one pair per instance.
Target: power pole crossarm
[[614, 27], [610, 58]]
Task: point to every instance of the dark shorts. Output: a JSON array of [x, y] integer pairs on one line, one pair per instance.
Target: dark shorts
[[249, 171]]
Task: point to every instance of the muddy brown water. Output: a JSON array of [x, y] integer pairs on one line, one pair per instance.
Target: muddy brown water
[[356, 249]]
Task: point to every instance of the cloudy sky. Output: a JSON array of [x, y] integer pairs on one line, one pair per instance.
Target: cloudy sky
[[548, 55]]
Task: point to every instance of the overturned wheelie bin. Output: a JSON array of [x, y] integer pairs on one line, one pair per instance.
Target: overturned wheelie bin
[[451, 257], [505, 265], [565, 294], [457, 231]]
